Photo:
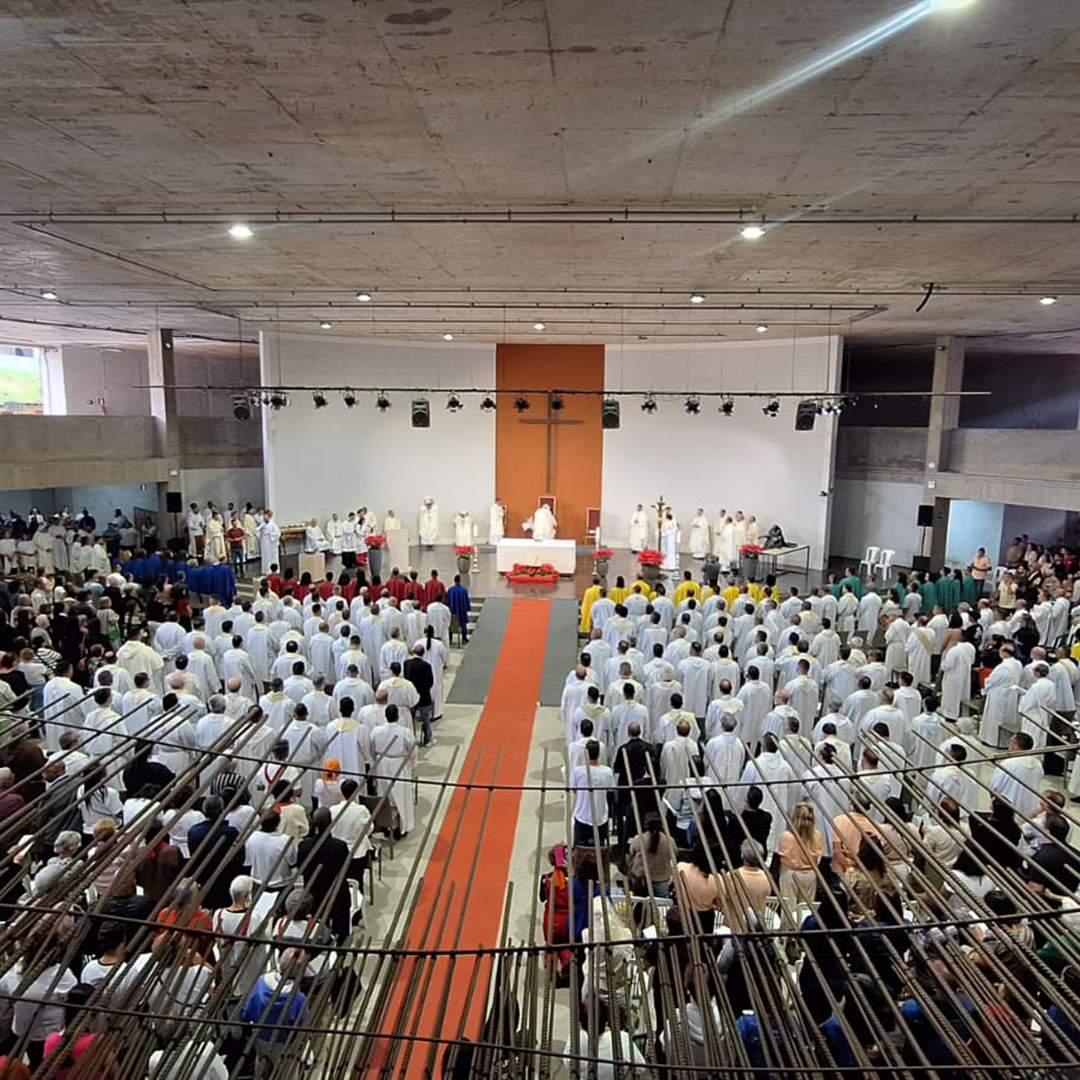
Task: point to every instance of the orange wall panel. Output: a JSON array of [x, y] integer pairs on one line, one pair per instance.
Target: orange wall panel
[[521, 448]]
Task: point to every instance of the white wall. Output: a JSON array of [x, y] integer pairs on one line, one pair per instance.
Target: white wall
[[1041, 526], [222, 486], [973, 525], [339, 459], [875, 512], [747, 461], [93, 372]]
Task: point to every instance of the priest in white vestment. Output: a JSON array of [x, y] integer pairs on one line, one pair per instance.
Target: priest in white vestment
[[315, 540], [544, 523], [896, 635], [669, 542], [1018, 780], [251, 534], [215, 538], [1000, 700], [699, 535], [334, 532], [725, 755], [269, 536], [463, 529], [392, 522], [196, 529], [778, 786], [429, 523], [718, 531], [739, 527], [496, 522], [1035, 706], [393, 748], [729, 553], [919, 648], [956, 678], [639, 529]]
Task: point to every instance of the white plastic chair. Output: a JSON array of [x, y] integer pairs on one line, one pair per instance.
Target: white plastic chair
[[869, 559], [884, 563]]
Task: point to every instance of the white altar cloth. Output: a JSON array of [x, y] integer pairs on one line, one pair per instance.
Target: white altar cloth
[[562, 554]]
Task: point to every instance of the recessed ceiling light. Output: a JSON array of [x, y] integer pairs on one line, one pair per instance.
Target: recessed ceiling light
[[448, 337], [48, 294], [364, 297], [752, 232], [697, 298], [1047, 301], [539, 326], [950, 5], [325, 325], [761, 328], [240, 231]]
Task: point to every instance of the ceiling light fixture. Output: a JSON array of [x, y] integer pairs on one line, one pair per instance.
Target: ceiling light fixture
[[241, 408], [761, 328], [48, 294], [522, 404], [539, 326], [453, 403], [364, 297], [448, 337], [557, 403], [487, 403], [319, 399], [950, 5], [752, 232], [649, 404], [772, 409], [325, 325], [382, 402], [697, 298], [727, 406], [693, 405], [277, 401], [1047, 301], [240, 231], [349, 398]]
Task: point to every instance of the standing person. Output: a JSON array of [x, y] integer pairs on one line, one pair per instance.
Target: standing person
[[980, 567], [639, 529], [699, 535], [956, 675], [393, 750], [591, 783], [429, 523], [497, 522], [214, 542], [251, 538], [324, 862], [544, 523], [235, 537], [196, 530], [269, 535], [669, 541], [457, 600], [419, 672]]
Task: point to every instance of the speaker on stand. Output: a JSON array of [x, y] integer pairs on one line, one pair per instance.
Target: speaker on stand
[[174, 504], [924, 519]]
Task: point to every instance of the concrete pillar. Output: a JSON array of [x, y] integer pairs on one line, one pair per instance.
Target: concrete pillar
[[163, 395], [944, 418]]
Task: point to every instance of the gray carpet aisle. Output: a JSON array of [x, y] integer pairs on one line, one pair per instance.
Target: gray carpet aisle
[[561, 651], [478, 664]]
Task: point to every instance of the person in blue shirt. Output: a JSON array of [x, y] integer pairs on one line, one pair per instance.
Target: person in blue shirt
[[221, 581], [457, 600], [280, 1007]]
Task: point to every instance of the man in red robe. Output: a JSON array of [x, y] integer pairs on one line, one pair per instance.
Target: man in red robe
[[326, 589], [396, 586], [414, 590], [434, 589]]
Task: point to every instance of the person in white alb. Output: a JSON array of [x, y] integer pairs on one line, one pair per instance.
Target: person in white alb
[[699, 535], [497, 522], [544, 523], [428, 523], [639, 529], [196, 530], [590, 784], [463, 529]]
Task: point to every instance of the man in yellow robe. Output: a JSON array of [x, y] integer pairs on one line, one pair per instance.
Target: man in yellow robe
[[592, 594]]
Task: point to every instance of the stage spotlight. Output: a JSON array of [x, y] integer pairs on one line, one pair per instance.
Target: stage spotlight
[[319, 400], [727, 406], [649, 404], [349, 398], [453, 403], [522, 404], [693, 405], [382, 402], [278, 401], [241, 407], [772, 409], [487, 403], [557, 404]]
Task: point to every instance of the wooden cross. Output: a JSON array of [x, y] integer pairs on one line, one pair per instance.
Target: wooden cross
[[551, 420], [660, 506]]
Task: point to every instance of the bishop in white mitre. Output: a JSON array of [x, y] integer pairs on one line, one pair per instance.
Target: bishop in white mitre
[[429, 522], [544, 523], [463, 529], [497, 522]]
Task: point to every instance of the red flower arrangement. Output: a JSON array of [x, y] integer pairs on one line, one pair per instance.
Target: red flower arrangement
[[750, 549], [376, 540], [465, 549], [650, 558], [361, 558], [543, 574], [602, 553]]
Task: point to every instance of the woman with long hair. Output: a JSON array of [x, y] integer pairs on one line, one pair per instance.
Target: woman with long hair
[[650, 859], [800, 849]]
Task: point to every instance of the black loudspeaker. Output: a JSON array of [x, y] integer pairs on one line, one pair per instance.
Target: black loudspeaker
[[805, 415], [174, 502], [421, 412], [920, 562], [609, 414], [926, 516]]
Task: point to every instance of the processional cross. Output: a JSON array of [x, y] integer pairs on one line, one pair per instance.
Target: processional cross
[[661, 507], [552, 420]]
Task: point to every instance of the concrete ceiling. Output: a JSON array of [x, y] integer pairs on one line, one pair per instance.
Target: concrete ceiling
[[615, 147]]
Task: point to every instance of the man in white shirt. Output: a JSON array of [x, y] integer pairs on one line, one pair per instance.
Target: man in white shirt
[[591, 783], [270, 854]]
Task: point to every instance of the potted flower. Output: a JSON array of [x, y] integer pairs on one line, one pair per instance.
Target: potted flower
[[748, 556], [601, 558], [650, 562], [375, 543], [464, 555], [537, 573]]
